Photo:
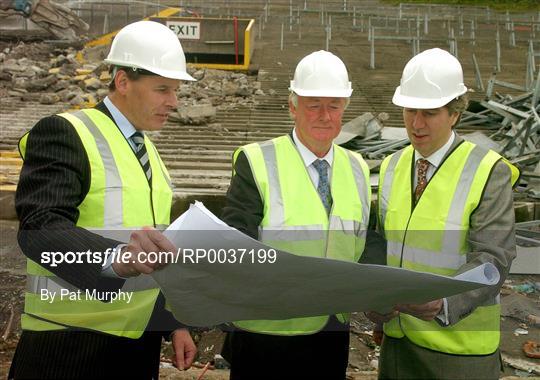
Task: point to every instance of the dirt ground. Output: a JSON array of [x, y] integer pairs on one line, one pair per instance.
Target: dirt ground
[[362, 354]]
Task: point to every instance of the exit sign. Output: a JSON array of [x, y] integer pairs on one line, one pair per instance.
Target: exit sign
[[185, 30]]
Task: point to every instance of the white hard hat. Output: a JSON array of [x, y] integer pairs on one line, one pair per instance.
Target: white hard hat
[[430, 79], [321, 74], [151, 46]]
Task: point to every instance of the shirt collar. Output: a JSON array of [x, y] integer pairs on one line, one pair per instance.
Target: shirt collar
[[436, 157], [121, 121], [308, 156]]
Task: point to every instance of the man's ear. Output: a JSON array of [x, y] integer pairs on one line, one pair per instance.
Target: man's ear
[[292, 109], [121, 82], [455, 118]]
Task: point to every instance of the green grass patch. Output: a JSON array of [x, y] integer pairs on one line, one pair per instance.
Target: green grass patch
[[500, 5]]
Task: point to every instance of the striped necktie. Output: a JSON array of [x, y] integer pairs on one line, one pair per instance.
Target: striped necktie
[[142, 154], [324, 186]]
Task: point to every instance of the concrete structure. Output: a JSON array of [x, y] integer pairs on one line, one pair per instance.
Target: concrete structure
[[217, 43]]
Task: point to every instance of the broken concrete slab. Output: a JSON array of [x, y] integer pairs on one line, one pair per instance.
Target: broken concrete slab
[[194, 114], [527, 260], [521, 364], [41, 83], [518, 306], [49, 98], [93, 84], [364, 125]]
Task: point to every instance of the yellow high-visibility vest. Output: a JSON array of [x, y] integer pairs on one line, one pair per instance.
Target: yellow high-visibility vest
[[119, 198], [295, 219], [432, 237]]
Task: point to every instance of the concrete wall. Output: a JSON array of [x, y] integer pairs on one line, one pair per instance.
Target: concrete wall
[[207, 37]]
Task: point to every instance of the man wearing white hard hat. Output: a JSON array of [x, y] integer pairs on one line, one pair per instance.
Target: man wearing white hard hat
[[303, 194], [445, 206], [87, 176]]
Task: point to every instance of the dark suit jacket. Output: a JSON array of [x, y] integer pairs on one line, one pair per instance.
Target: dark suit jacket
[[54, 180]]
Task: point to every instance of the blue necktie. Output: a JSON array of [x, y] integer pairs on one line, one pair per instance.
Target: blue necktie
[[142, 154], [324, 186]]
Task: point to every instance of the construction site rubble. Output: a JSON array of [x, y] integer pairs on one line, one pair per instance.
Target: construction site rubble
[[365, 126], [510, 125], [39, 72]]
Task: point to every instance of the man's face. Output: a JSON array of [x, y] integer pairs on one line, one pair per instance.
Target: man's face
[[428, 129], [149, 101], [318, 121]]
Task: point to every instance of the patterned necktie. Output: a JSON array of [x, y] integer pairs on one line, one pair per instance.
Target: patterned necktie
[[142, 154], [421, 170], [324, 187]]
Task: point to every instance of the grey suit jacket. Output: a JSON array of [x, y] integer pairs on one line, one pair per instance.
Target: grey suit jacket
[[491, 239]]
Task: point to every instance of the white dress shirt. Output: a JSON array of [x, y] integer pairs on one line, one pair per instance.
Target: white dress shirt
[[123, 123], [309, 158], [434, 159]]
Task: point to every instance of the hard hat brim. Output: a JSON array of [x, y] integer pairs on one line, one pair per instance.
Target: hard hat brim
[[172, 74], [323, 93], [422, 103]]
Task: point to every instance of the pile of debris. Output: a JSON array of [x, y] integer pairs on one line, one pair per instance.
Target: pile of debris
[[521, 319], [510, 125], [54, 75], [50, 76], [214, 89], [367, 135]]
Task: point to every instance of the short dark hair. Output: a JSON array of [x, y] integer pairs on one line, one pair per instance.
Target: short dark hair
[[458, 105], [132, 73]]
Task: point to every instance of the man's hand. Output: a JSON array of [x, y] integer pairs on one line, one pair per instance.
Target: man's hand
[[184, 349], [425, 311], [140, 244]]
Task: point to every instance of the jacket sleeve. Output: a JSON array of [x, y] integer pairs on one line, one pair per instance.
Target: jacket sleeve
[[491, 240], [54, 180], [243, 205]]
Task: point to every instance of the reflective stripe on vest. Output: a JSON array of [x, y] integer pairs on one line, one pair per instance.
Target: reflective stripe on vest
[[432, 237], [119, 200], [295, 219]]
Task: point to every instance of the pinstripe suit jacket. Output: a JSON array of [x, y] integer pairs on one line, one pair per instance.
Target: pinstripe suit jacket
[[54, 180]]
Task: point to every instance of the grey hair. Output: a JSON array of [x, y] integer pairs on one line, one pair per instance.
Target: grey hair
[[293, 98]]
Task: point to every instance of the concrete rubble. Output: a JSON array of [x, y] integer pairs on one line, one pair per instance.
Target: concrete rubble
[[365, 125], [63, 78], [367, 135]]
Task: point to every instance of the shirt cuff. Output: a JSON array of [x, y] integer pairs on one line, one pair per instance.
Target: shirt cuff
[[443, 314], [108, 270]]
